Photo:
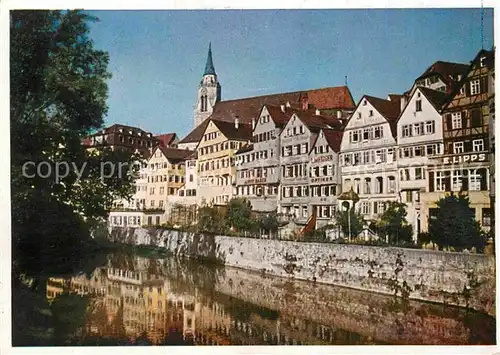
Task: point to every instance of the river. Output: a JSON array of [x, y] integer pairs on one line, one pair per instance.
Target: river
[[145, 300]]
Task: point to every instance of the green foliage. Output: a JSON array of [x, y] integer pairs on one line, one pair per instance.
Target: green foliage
[[394, 225], [210, 220], [269, 222], [356, 222], [69, 312], [455, 225], [239, 215], [58, 95]]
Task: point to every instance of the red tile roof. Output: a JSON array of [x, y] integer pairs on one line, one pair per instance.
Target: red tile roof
[[166, 139], [334, 138], [279, 117], [389, 109], [248, 108], [316, 122], [195, 135]]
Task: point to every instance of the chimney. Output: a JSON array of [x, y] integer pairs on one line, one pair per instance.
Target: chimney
[[283, 109], [339, 115], [288, 104], [236, 122], [318, 113]]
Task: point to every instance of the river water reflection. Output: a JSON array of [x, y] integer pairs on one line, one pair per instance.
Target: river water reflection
[[138, 300]]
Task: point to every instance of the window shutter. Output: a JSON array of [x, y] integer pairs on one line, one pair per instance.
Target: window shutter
[[375, 207], [484, 177], [468, 146], [431, 181], [476, 118], [464, 119], [448, 122], [483, 84], [467, 88]]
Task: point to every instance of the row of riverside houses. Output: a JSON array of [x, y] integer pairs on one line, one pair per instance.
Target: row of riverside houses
[[295, 153]]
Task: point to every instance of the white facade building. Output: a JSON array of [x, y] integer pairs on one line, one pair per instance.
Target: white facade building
[[368, 162], [420, 137]]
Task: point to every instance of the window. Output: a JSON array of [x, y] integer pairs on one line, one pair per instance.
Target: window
[[456, 180], [378, 132], [391, 187], [458, 147], [418, 151], [407, 153], [419, 173], [160, 204], [304, 211], [405, 174], [357, 159], [431, 149], [151, 190], [371, 113], [359, 115], [409, 196], [442, 180], [304, 148], [365, 208], [486, 217], [366, 134], [456, 120], [366, 157], [379, 185], [152, 203], [354, 137], [477, 145], [418, 105], [407, 131], [162, 190], [475, 87], [474, 181], [430, 127], [367, 187]]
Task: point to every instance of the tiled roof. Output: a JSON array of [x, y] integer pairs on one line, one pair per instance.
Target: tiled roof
[[389, 109], [436, 98], [334, 138], [248, 108], [279, 117], [246, 148], [116, 128], [175, 154], [229, 130], [316, 122], [166, 139], [447, 70], [195, 135]]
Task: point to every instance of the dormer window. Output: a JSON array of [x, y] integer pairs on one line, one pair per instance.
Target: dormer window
[[482, 62], [364, 102], [371, 113]]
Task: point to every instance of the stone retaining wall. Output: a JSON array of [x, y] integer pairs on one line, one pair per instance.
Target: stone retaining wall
[[460, 279]]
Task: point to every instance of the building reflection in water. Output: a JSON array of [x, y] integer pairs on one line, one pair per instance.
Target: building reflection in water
[[163, 302]]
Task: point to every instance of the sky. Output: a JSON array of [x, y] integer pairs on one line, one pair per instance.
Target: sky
[[157, 58]]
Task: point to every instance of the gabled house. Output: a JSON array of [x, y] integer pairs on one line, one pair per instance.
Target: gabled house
[[296, 139], [216, 159], [420, 138], [464, 166], [324, 179], [258, 163], [367, 154]]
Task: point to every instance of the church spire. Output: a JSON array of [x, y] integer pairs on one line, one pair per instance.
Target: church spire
[[209, 67]]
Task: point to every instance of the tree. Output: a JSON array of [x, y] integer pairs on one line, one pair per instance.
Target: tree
[[210, 220], [355, 221], [394, 225], [239, 215], [58, 96], [269, 222], [454, 224]]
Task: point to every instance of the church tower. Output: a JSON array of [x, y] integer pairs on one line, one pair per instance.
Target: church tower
[[209, 91]]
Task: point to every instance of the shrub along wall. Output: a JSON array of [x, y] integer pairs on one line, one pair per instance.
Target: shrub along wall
[[454, 278]]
